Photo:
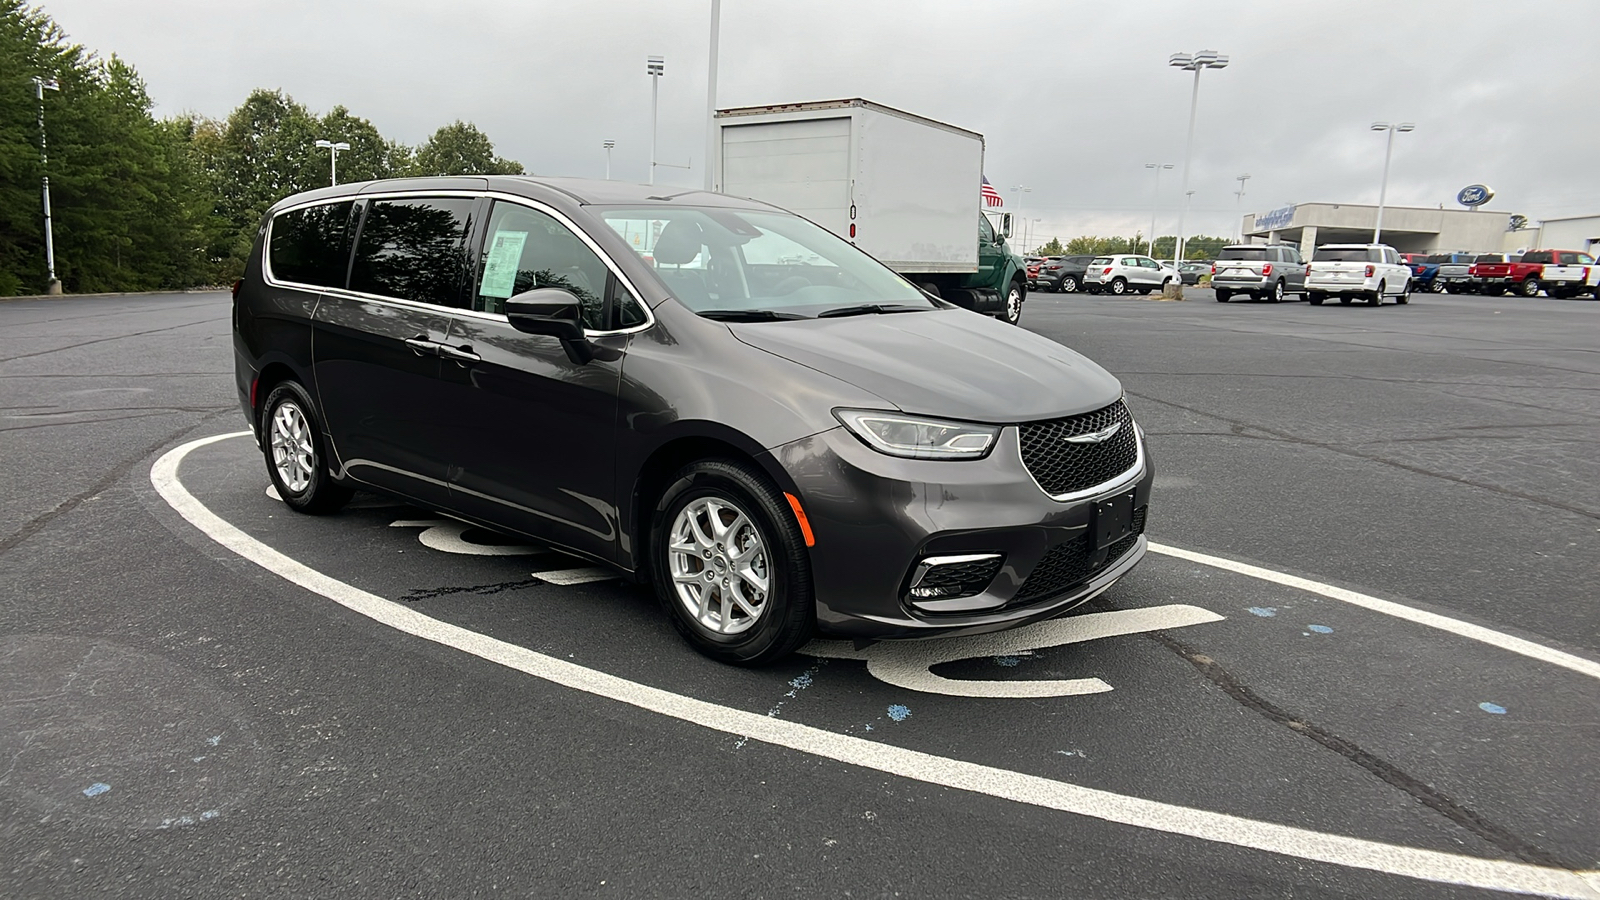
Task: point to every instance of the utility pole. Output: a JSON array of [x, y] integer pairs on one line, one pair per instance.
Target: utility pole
[[711, 97], [40, 85], [608, 145], [657, 67]]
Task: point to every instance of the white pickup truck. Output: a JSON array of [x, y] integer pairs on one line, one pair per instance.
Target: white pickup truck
[[1348, 271]]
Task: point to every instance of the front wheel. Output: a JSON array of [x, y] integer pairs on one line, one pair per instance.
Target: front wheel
[[291, 439], [1119, 286], [730, 564], [1405, 295], [1012, 313]]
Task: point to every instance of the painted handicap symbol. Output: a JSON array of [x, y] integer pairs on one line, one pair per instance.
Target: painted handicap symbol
[[908, 664], [450, 536]]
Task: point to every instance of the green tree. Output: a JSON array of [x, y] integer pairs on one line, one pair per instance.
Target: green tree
[[461, 149], [1199, 246], [1053, 248]]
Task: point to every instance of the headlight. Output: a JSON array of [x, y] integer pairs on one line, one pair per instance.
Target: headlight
[[915, 437]]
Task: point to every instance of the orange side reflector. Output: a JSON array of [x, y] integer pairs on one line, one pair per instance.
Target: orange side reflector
[[800, 516]]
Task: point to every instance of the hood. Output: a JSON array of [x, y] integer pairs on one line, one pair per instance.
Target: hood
[[945, 362]]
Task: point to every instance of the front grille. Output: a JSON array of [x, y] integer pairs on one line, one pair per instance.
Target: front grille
[[1061, 467], [1070, 564], [957, 579]]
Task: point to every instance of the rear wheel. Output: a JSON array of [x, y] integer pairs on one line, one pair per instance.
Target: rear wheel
[[1315, 299], [1346, 300], [1530, 287], [730, 564], [1069, 284], [1119, 286], [1224, 295], [1376, 297], [1277, 292], [291, 439], [1437, 286]]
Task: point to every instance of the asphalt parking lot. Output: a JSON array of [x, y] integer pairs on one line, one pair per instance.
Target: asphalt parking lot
[[1360, 661]]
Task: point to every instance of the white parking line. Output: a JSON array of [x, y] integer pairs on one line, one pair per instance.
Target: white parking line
[[578, 576], [1398, 610], [1427, 865]]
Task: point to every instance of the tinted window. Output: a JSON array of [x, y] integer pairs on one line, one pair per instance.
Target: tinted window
[[1251, 253], [1489, 258], [1344, 254], [1579, 259], [308, 245], [1537, 256], [1439, 258], [1100, 261], [413, 249], [526, 249], [986, 233]]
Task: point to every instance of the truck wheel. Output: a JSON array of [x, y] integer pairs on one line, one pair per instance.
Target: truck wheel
[[1012, 314], [1345, 300], [1069, 285], [1530, 287], [1315, 299], [1437, 286], [1119, 286], [1224, 295]]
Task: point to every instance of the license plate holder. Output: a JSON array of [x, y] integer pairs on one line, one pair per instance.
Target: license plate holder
[[1113, 520]]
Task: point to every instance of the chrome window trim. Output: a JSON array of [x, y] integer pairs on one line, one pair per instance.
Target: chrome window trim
[[536, 205], [1127, 478]]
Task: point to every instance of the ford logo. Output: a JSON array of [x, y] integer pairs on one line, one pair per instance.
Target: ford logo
[[1475, 195]]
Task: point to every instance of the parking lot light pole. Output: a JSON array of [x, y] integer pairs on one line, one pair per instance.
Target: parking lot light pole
[[711, 97], [333, 160], [1383, 189], [1238, 209], [1019, 190], [608, 145], [1155, 201], [657, 67], [40, 85], [1205, 59]]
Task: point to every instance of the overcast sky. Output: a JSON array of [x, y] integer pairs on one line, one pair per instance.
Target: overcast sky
[[1073, 97]]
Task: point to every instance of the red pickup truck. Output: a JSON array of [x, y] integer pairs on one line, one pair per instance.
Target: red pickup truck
[[1527, 274]]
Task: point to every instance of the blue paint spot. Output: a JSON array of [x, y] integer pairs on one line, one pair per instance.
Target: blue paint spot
[[209, 814], [869, 727], [1008, 661], [1495, 708], [899, 713], [1265, 612], [1320, 629], [100, 787]]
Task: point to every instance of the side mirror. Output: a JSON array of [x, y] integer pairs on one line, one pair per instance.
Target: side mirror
[[555, 312]]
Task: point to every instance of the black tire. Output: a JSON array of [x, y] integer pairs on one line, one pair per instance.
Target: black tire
[[787, 616], [1437, 286], [1277, 292], [303, 450], [1069, 285], [1224, 295], [1119, 286], [1315, 299], [1376, 297], [1530, 287], [1011, 310], [1346, 299]]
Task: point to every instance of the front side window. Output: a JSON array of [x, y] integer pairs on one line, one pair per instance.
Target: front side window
[[413, 249], [1578, 259], [308, 245], [758, 262], [526, 249], [985, 230]]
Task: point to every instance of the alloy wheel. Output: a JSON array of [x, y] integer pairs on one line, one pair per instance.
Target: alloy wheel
[[292, 452], [719, 566]]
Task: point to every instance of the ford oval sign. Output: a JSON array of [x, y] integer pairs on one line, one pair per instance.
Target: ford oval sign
[[1475, 195]]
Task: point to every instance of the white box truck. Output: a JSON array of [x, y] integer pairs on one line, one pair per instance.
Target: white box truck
[[903, 188]]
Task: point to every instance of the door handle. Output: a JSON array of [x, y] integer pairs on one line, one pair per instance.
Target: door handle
[[421, 346], [462, 354]]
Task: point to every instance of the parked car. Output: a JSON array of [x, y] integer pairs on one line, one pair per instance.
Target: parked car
[[1451, 271], [1063, 273], [803, 441], [1124, 274], [1411, 259], [1491, 272], [1559, 273], [1192, 269], [1263, 271], [1347, 271], [1031, 268]]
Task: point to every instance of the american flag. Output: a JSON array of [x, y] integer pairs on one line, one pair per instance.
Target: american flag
[[991, 197]]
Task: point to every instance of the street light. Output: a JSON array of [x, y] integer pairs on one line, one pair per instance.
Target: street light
[[711, 97], [657, 67], [333, 158], [1238, 209], [608, 145], [1205, 59], [1155, 201], [40, 85], [1377, 227]]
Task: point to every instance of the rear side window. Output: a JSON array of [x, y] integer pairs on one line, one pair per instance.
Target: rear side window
[[1100, 261], [1249, 253], [526, 249], [308, 245], [1537, 256], [413, 249]]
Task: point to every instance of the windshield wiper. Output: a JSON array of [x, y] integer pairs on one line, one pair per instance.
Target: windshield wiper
[[868, 309], [747, 315]]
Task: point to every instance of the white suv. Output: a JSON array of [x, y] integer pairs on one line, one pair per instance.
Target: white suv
[[1123, 274], [1347, 271]]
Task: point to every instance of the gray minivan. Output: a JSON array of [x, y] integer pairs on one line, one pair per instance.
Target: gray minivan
[[717, 397], [1262, 271]]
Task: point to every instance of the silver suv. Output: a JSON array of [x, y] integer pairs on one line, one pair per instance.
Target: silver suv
[[1264, 271]]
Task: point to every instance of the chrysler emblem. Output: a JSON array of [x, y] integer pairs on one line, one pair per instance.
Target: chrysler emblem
[[1095, 437]]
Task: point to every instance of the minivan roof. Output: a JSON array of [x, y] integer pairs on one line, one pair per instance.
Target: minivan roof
[[583, 191]]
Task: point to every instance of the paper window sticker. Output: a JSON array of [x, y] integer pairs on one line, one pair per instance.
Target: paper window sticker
[[500, 270]]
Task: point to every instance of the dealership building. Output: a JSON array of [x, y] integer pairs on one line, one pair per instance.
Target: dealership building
[[1409, 229]]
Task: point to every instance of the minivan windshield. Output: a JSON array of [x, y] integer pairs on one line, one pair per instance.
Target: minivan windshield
[[760, 265], [1346, 254]]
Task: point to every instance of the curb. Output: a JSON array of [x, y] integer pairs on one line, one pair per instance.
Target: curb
[[204, 290]]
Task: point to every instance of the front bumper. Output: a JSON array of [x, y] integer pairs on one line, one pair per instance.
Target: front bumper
[[876, 516]]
